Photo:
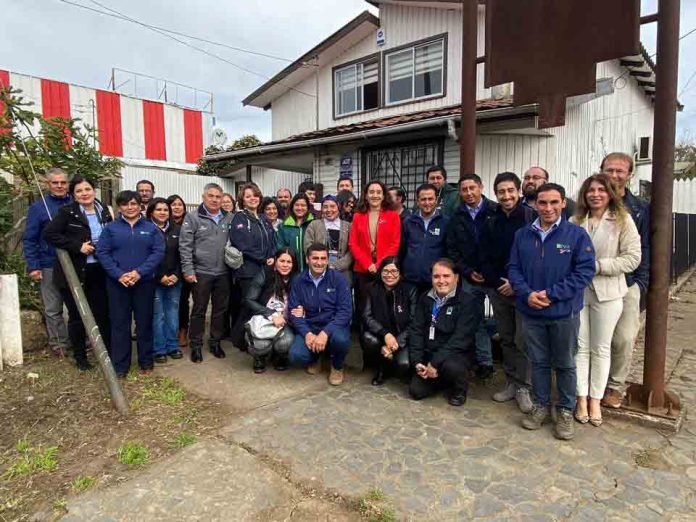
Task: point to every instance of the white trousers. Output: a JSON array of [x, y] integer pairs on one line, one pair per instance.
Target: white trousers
[[593, 358]]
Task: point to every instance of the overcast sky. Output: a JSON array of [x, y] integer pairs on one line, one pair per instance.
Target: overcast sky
[[51, 39]]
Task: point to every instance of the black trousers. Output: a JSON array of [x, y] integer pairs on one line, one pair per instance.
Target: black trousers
[[94, 287], [214, 289], [234, 307], [243, 315], [363, 284], [452, 377], [372, 355], [184, 306]]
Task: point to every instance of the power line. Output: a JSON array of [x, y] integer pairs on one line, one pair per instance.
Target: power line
[[161, 32], [684, 89], [178, 33]]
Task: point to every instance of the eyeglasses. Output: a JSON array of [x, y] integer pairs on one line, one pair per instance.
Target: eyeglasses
[[534, 178], [58, 182], [614, 171], [391, 271]]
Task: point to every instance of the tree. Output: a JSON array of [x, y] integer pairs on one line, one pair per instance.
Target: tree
[[206, 168]]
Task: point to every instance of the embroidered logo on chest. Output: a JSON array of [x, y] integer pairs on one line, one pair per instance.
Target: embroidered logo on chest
[[563, 249]]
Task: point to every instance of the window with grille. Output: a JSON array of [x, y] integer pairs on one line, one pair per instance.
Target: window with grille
[[416, 72], [356, 87], [402, 166]]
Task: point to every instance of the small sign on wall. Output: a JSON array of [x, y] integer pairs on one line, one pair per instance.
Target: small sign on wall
[[346, 168], [381, 37]]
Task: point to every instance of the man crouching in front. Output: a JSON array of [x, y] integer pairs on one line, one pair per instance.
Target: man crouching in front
[[442, 337], [321, 308]]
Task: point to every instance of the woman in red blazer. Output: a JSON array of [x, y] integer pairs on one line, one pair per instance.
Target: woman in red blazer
[[374, 235]]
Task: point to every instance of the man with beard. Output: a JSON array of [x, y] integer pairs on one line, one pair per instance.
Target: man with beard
[[534, 178]]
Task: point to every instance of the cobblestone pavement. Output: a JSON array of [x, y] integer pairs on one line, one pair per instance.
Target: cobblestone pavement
[[436, 462]]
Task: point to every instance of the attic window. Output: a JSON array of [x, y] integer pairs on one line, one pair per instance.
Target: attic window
[[415, 72], [357, 87]]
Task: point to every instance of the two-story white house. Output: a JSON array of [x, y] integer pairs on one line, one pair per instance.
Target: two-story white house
[[379, 99]]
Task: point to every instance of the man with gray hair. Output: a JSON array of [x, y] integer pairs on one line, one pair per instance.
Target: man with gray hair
[[204, 234], [40, 256]]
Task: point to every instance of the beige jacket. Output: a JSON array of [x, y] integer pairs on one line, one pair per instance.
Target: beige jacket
[[316, 233], [617, 252]]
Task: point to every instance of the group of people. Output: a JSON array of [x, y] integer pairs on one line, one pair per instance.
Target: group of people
[[289, 279]]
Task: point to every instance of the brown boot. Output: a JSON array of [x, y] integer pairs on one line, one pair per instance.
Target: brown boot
[[183, 338], [335, 377], [612, 399], [314, 368]]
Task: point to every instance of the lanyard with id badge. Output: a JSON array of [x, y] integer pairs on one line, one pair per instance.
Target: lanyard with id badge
[[433, 319]]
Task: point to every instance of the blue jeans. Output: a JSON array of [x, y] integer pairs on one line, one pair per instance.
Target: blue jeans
[[484, 353], [552, 343], [165, 322], [337, 348]]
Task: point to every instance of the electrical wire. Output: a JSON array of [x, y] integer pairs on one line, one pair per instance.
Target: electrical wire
[[178, 40]]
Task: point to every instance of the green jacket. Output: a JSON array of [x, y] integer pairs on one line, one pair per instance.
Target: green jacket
[[448, 200], [291, 235]]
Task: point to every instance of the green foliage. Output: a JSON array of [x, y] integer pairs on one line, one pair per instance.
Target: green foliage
[[183, 439], [29, 290], [32, 460], [133, 454], [164, 390], [374, 506], [82, 482], [220, 167]]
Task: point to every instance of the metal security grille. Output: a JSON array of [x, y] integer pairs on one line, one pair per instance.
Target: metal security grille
[[402, 166]]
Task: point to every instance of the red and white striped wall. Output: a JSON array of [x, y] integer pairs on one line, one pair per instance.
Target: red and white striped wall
[[129, 128]]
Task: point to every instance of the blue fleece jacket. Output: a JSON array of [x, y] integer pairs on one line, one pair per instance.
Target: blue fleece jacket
[[563, 265], [327, 307], [37, 253], [420, 248], [124, 247]]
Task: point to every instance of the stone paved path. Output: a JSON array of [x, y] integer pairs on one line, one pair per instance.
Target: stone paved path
[[432, 461]]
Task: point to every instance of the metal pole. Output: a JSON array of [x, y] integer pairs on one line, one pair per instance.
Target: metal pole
[[467, 136], [117, 397], [661, 203]]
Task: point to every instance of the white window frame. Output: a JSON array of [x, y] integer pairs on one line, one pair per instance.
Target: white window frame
[[359, 87], [389, 54]]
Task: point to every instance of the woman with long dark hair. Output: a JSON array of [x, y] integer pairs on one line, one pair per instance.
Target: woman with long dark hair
[[77, 228], [267, 296], [292, 230], [617, 252], [389, 310], [178, 212], [165, 324], [270, 210], [374, 235], [346, 205]]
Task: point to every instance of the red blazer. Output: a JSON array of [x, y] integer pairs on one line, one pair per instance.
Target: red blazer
[[388, 238]]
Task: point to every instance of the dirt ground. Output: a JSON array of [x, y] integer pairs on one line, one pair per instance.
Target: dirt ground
[[60, 435]]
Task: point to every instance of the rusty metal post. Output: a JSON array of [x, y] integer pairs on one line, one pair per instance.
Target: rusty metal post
[[467, 135], [661, 205]]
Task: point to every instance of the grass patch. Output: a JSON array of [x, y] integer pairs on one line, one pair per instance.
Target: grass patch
[[373, 506], [133, 454], [183, 439], [164, 390], [82, 482], [32, 460], [188, 416]]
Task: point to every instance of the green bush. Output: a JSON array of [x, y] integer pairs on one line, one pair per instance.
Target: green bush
[[29, 290]]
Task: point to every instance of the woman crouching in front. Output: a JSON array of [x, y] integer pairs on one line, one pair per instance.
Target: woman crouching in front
[[268, 332]]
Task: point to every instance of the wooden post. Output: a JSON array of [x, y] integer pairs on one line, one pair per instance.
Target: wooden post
[[467, 135]]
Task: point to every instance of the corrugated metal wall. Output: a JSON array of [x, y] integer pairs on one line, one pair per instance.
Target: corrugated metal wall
[[684, 201], [168, 182]]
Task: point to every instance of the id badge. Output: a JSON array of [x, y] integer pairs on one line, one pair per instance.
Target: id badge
[[431, 333], [333, 257]]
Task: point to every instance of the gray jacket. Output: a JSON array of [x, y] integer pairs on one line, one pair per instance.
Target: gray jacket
[[202, 243]]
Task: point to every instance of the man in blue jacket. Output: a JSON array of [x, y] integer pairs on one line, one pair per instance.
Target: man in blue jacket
[[551, 263], [130, 250], [321, 307], [422, 239], [620, 167], [40, 257]]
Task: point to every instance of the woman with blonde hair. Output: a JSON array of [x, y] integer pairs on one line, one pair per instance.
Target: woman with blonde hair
[[617, 250]]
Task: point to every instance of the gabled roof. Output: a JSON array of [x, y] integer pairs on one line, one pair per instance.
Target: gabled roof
[[354, 31]]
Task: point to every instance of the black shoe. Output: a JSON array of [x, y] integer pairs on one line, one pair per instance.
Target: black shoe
[[83, 365], [457, 398], [484, 371], [196, 355], [176, 354], [281, 363], [160, 358], [217, 351], [259, 364], [378, 379], [121, 375]]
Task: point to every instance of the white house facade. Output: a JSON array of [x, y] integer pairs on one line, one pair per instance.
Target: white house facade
[[379, 99]]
